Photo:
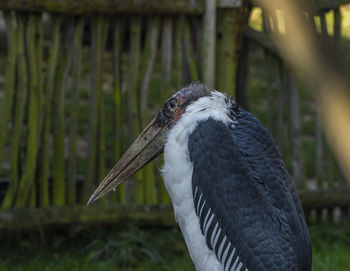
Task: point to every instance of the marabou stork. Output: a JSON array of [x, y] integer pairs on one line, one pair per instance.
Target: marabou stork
[[233, 198]]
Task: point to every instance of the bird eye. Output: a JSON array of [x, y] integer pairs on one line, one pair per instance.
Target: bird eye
[[172, 105]]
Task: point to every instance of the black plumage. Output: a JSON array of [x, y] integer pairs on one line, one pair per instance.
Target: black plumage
[[244, 197]]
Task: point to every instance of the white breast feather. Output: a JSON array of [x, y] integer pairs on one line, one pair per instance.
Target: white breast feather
[[177, 175]]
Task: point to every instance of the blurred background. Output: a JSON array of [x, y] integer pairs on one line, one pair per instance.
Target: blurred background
[[79, 81]]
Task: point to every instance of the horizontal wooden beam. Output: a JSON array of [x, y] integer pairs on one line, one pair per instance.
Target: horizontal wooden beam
[[77, 7], [25, 219], [318, 5], [155, 215], [261, 39], [325, 199], [324, 5]]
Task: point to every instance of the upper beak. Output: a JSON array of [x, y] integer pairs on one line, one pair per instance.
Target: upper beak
[[145, 148]]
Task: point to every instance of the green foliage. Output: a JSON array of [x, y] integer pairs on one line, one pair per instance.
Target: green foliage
[[107, 249], [331, 246], [134, 248]]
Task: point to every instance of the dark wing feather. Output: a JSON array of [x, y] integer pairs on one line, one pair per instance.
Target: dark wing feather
[[245, 199]]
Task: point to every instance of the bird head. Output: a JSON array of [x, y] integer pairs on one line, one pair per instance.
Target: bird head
[[150, 143]]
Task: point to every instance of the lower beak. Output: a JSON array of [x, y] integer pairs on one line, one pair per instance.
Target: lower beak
[[145, 148]]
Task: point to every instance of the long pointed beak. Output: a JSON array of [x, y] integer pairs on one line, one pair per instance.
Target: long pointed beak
[[145, 148]]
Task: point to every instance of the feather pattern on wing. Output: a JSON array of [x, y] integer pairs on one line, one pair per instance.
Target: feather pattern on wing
[[244, 198]]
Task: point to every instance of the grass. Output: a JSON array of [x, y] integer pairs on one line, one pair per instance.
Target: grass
[[133, 248], [130, 248]]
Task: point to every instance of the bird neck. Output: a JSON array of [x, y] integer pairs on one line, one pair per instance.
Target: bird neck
[[178, 168]]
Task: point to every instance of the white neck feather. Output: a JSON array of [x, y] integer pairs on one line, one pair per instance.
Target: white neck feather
[[177, 174]]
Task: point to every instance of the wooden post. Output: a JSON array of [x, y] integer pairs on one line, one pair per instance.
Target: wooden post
[[167, 56], [9, 87], [281, 104], [271, 61], [74, 110], [49, 90], [21, 97], [39, 37], [319, 151], [209, 38], [133, 92], [242, 75], [102, 31], [39, 48], [337, 31], [226, 46], [59, 184], [319, 137], [297, 171], [189, 55], [118, 99], [167, 51], [27, 179], [95, 151], [178, 61], [198, 26], [324, 30], [149, 57], [93, 114]]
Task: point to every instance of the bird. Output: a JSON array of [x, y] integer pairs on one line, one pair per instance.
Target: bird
[[233, 198]]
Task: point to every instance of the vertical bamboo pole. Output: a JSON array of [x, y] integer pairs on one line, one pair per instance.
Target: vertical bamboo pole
[[242, 74], [27, 179], [21, 92], [192, 66], [39, 36], [297, 171], [101, 145], [337, 31], [58, 186], [226, 45], [281, 104], [58, 174], [93, 115], [133, 91], [324, 30], [49, 90], [209, 29], [319, 141], [337, 46], [39, 62], [178, 61], [319, 151], [117, 42], [95, 151], [74, 116], [9, 87], [332, 168], [167, 45], [273, 64], [198, 26], [149, 57]]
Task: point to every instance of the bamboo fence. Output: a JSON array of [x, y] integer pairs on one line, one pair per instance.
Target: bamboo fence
[[82, 80], [79, 87]]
